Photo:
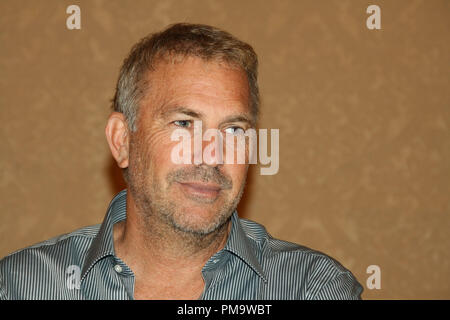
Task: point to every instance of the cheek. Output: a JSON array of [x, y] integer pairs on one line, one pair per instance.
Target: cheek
[[237, 172], [159, 147]]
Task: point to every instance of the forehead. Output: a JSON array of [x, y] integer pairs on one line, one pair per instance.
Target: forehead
[[206, 86]]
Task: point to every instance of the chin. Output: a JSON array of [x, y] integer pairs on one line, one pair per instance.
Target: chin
[[199, 221]]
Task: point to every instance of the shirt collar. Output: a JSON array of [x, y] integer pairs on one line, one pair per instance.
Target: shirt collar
[[102, 246], [240, 244]]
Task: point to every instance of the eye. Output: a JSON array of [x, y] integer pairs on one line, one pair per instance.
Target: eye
[[234, 130], [182, 123]]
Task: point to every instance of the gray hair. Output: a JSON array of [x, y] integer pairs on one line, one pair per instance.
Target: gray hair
[[181, 39]]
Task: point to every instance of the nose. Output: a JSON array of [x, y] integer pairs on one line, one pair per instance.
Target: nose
[[208, 148]]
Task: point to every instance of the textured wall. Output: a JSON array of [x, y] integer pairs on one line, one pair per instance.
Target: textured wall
[[364, 119]]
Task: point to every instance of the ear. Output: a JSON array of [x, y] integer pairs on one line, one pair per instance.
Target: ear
[[118, 138]]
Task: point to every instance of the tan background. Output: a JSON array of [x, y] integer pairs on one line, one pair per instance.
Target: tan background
[[364, 119]]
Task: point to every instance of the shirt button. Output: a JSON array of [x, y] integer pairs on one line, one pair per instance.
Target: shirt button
[[118, 268], [216, 260]]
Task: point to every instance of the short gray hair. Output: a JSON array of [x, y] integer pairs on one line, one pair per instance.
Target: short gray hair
[[181, 39]]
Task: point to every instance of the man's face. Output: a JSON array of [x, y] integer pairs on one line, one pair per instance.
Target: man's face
[[190, 198]]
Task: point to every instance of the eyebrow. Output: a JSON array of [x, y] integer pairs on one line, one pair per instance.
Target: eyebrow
[[183, 110], [189, 112], [237, 118]]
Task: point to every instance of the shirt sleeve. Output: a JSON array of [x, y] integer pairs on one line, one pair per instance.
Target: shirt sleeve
[[342, 287], [2, 289]]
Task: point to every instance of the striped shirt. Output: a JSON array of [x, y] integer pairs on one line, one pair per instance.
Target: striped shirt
[[252, 265]]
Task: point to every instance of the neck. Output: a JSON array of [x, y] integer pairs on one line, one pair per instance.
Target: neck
[[151, 247]]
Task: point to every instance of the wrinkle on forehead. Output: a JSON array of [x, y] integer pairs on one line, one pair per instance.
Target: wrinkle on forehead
[[192, 78]]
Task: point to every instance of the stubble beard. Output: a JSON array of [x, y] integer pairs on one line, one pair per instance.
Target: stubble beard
[[161, 214]]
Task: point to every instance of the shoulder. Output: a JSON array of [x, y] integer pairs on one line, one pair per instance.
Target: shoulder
[[69, 240], [46, 259], [273, 248], [315, 274]]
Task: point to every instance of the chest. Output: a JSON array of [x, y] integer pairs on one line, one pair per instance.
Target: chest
[[169, 290]]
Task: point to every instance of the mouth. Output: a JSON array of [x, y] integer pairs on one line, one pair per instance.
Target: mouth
[[207, 191]]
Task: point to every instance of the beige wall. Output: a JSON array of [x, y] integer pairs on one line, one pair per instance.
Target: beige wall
[[364, 119]]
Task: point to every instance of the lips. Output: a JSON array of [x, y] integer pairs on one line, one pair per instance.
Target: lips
[[203, 187], [200, 189]]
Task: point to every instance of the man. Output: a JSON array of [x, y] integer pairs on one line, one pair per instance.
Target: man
[[175, 233]]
